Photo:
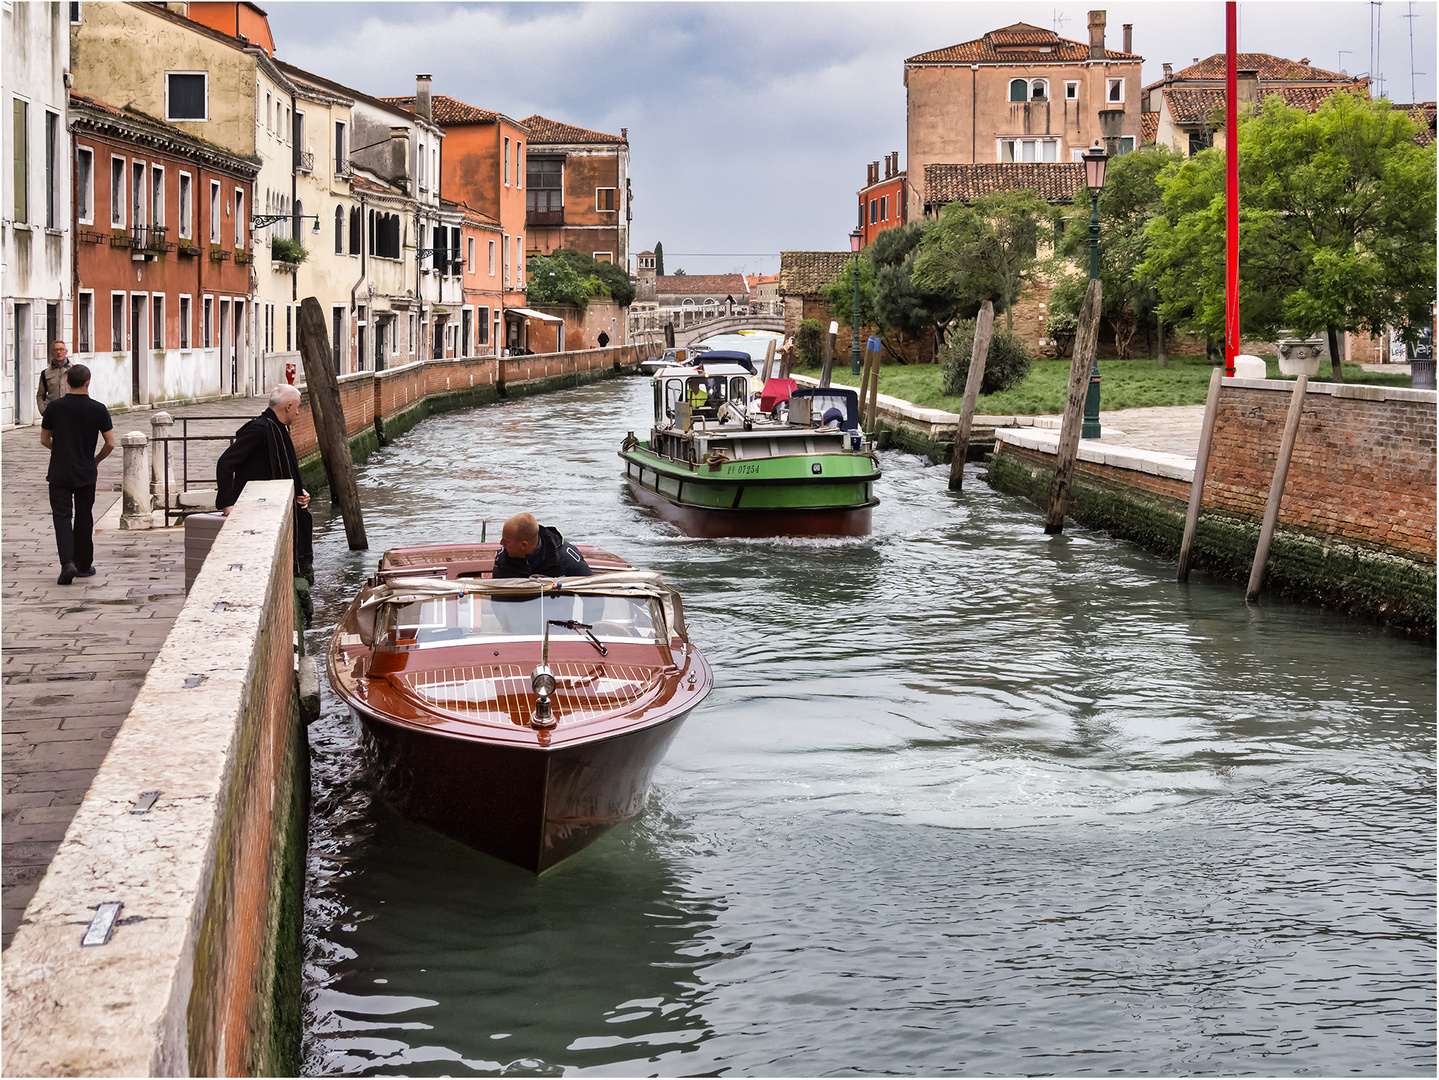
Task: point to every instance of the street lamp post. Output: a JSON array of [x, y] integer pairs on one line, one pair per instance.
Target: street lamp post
[[1095, 161], [854, 357]]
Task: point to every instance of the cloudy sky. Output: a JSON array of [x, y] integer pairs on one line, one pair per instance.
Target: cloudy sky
[[750, 124]]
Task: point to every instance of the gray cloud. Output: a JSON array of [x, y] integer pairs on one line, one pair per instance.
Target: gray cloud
[[750, 124]]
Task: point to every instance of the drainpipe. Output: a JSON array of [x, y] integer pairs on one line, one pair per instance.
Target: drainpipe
[[364, 271], [973, 115]]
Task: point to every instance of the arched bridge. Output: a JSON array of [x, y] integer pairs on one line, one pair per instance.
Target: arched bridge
[[728, 324]]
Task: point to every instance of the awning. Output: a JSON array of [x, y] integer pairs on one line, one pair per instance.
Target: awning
[[531, 313]]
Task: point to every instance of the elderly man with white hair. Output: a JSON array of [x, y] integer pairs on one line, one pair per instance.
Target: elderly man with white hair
[[262, 450]]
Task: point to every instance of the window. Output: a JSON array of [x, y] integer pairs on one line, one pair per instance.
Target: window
[[1115, 94], [605, 199], [1200, 140], [117, 192], [157, 322], [289, 327], [85, 185], [1124, 146], [184, 322], [117, 322], [1018, 90], [207, 322], [544, 186], [492, 258], [356, 230], [421, 177], [289, 128], [482, 325], [1039, 90], [506, 173], [214, 219], [187, 95], [519, 262], [85, 323], [269, 101], [157, 196], [604, 256], [519, 164], [184, 208], [337, 337], [505, 258], [52, 130], [74, 11], [339, 230], [385, 235], [467, 321], [470, 254], [137, 194], [884, 208], [342, 156], [22, 160], [1028, 150], [239, 219], [299, 132], [873, 211], [1071, 91]]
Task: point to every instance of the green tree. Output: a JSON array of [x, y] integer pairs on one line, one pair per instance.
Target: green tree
[[809, 343], [1337, 225], [1131, 198], [659, 259], [985, 250], [552, 280], [839, 294], [597, 279]]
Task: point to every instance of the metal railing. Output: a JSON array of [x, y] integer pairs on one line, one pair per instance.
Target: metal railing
[[305, 162], [184, 439]]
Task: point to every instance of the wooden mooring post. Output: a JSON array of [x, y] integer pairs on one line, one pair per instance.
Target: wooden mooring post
[[1201, 466], [828, 365], [1276, 487], [1085, 342], [768, 368], [329, 416], [983, 331]]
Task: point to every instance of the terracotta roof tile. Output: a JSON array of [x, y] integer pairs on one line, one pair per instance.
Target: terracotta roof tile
[[1270, 67], [1054, 181], [805, 273], [1195, 105], [1148, 127], [1019, 43], [701, 284], [543, 130], [446, 110], [1422, 114]]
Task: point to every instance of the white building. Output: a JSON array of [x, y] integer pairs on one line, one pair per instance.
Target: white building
[[35, 227]]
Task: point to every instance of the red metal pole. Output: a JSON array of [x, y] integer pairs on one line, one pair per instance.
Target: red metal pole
[[1231, 200]]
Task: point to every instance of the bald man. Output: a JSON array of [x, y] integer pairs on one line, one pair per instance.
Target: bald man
[[528, 548], [262, 450]]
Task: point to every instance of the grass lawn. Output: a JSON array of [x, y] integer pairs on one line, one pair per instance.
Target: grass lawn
[[1124, 384]]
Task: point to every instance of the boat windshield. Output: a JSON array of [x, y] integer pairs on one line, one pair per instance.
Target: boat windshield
[[449, 620]]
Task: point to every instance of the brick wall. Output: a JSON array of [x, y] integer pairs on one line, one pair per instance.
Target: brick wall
[[1363, 468]]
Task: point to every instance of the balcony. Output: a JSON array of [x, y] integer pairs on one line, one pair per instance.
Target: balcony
[[544, 217], [305, 162]]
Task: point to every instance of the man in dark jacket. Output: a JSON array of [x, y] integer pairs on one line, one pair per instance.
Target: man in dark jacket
[[262, 450], [69, 430], [528, 548], [52, 380]]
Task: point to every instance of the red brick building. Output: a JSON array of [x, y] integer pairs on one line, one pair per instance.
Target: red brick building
[[881, 200], [162, 253], [577, 191]]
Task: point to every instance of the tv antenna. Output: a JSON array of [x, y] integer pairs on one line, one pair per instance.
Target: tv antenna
[[1413, 95], [1376, 17], [1060, 20], [1341, 60]]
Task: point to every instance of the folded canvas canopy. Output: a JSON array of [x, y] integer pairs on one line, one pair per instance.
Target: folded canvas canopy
[[531, 313]]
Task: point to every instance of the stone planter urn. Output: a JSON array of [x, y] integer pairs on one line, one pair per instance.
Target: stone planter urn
[[1301, 356]]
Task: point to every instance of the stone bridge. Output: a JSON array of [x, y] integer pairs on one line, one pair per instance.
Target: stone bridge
[[688, 331]]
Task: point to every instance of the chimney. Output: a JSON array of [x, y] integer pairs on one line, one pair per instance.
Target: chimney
[[1168, 74], [422, 97], [624, 134], [1248, 87], [1129, 37], [1096, 35], [895, 155]]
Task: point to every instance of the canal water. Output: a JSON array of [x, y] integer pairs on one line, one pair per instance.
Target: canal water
[[965, 799]]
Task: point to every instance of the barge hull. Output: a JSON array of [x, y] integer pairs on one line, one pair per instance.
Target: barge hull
[[708, 522]]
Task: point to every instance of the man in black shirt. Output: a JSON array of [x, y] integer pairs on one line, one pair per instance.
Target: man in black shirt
[[69, 429], [528, 548], [262, 450]]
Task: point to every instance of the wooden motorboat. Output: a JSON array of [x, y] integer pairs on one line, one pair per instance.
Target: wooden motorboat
[[724, 459], [522, 716]]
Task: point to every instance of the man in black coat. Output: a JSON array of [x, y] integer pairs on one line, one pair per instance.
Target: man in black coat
[[69, 430], [262, 450], [528, 548]]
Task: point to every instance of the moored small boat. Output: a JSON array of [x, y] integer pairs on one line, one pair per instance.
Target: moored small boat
[[720, 463], [526, 716]]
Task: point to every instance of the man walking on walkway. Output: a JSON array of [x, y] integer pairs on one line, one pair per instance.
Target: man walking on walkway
[[262, 450], [52, 379], [69, 429]]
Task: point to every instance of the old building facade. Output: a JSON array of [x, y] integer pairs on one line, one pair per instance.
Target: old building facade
[[577, 191], [882, 199], [1019, 94], [35, 244]]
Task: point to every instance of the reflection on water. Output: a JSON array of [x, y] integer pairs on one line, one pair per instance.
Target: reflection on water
[[965, 799]]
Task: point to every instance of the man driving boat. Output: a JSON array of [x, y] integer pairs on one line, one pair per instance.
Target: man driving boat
[[529, 549]]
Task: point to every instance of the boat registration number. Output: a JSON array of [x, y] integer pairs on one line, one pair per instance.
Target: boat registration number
[[744, 470]]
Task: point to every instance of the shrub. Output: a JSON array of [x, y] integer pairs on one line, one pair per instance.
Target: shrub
[[809, 343], [286, 250], [1061, 322], [1006, 365]]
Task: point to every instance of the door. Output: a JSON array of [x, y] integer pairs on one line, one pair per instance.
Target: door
[[137, 345], [237, 355], [382, 327], [226, 359], [20, 340]]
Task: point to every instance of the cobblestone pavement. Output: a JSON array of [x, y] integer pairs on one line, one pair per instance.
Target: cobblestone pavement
[[73, 656], [1169, 429]]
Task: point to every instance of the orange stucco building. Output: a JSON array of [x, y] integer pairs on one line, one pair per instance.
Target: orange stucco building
[[881, 200]]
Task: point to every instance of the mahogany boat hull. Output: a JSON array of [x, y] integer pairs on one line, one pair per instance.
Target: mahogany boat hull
[[708, 523], [528, 806]]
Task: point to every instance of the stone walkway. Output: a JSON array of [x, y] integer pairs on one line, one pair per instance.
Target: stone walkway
[[74, 656]]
